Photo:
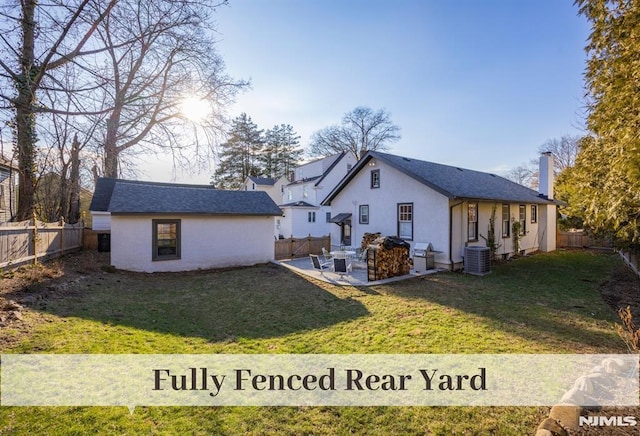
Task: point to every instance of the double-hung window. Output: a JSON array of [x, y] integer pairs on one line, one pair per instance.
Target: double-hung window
[[166, 239], [534, 213], [364, 214], [506, 221], [472, 222], [312, 217], [522, 217], [405, 221]]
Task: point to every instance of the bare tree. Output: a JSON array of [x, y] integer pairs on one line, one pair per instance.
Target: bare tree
[[37, 39], [66, 134], [525, 175], [564, 150], [361, 130], [160, 53]]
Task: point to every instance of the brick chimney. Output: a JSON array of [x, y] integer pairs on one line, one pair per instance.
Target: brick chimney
[[545, 175]]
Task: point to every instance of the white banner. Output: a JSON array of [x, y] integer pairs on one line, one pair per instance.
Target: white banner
[[319, 380]]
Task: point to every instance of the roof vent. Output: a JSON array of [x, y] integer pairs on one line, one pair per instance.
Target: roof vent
[[407, 159], [459, 169]]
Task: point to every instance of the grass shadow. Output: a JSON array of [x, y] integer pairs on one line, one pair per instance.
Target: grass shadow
[[263, 301]]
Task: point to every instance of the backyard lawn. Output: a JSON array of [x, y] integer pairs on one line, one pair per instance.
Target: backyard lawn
[[547, 303]]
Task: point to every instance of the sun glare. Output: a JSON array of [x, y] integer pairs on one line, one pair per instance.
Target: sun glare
[[195, 109]]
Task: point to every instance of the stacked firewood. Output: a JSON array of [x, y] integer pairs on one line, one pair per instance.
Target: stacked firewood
[[388, 257], [367, 239]]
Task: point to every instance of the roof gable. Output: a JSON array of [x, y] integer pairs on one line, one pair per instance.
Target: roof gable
[[452, 182]]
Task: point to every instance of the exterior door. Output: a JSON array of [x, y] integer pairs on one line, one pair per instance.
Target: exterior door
[[345, 233]]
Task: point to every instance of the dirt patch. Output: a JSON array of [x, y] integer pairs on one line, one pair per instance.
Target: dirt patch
[[32, 286], [622, 289]]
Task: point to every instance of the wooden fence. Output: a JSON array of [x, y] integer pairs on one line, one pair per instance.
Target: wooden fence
[[578, 239], [631, 258], [26, 241], [300, 247]]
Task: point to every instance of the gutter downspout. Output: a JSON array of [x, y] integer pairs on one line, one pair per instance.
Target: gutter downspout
[[451, 233]]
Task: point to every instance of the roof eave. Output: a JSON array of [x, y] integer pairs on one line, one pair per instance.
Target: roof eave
[[196, 213]]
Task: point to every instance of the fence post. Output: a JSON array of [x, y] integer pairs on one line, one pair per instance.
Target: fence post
[[62, 230], [35, 239]]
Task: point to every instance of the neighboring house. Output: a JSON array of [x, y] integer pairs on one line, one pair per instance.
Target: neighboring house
[[170, 227], [309, 184], [273, 187], [447, 206], [8, 177]]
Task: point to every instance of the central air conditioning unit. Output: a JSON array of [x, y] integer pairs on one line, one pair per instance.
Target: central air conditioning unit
[[477, 260]]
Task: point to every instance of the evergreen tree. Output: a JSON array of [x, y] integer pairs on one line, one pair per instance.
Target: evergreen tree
[[607, 171], [240, 155], [282, 151]]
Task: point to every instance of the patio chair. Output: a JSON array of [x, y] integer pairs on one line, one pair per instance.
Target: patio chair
[[327, 256], [361, 259], [341, 265], [317, 264]]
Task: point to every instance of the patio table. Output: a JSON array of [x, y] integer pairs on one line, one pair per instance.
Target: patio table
[[343, 254]]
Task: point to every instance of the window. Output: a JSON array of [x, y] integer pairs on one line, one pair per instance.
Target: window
[[534, 213], [375, 179], [364, 214], [312, 217], [289, 194], [506, 221], [405, 220], [166, 239], [2, 206], [328, 216], [349, 166], [305, 191], [472, 222], [522, 217]]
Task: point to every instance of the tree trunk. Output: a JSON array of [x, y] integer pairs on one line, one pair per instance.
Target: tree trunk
[[110, 147], [73, 215], [25, 118]]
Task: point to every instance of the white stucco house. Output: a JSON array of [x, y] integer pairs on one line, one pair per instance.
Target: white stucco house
[[272, 186], [169, 227], [303, 213], [446, 206]]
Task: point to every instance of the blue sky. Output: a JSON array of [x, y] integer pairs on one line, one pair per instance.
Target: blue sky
[[477, 84]]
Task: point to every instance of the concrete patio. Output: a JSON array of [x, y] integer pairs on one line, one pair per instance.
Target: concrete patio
[[357, 277]]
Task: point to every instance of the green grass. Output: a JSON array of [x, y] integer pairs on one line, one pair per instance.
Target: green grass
[[541, 304]]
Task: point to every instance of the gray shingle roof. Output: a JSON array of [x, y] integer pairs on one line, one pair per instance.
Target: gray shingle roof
[[129, 197], [453, 182], [102, 194], [267, 181]]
